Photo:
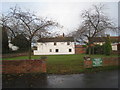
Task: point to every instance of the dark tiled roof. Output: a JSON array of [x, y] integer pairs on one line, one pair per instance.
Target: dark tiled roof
[[102, 39], [57, 39], [98, 39]]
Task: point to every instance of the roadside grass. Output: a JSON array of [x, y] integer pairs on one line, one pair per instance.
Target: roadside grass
[[64, 64]]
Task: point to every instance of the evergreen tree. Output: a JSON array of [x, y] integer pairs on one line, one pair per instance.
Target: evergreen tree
[[5, 47], [21, 41], [107, 46]]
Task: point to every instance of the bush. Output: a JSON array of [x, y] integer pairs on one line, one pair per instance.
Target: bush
[[97, 49], [107, 46], [84, 46]]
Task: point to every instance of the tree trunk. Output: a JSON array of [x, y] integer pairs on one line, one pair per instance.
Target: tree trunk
[[93, 50], [29, 53], [89, 46], [89, 50]]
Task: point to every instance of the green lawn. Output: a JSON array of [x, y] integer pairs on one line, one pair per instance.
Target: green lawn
[[58, 57], [61, 64]]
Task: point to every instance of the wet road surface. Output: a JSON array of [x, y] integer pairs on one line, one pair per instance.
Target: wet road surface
[[105, 79]]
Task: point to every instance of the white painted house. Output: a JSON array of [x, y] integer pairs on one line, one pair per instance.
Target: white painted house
[[55, 46]]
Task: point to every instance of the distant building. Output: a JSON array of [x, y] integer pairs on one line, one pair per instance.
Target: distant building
[[55, 46], [115, 40]]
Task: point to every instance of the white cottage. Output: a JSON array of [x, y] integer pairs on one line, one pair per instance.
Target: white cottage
[[54, 46]]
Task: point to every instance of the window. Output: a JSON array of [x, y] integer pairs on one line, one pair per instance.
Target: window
[[56, 50], [55, 43], [70, 50], [50, 50], [68, 43], [34, 48]]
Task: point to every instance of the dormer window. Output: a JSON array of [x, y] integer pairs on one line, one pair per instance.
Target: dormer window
[[68, 43], [55, 43]]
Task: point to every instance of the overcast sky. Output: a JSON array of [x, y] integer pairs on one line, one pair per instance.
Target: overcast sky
[[65, 12]]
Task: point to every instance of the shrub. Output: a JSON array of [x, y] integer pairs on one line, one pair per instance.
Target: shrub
[[107, 46], [84, 46], [97, 49]]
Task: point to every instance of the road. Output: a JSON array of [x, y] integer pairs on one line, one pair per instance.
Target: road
[[105, 79]]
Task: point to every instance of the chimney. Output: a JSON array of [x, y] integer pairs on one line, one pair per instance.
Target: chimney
[[63, 35]]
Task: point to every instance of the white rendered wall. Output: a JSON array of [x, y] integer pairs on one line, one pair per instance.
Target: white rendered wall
[[114, 47], [44, 48], [99, 43]]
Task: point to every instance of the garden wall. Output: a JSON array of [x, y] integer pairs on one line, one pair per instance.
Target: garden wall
[[23, 66], [106, 61], [79, 49], [111, 61]]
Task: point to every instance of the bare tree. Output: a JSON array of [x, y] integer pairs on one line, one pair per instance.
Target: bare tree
[[28, 24], [95, 23], [9, 24]]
